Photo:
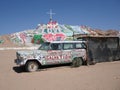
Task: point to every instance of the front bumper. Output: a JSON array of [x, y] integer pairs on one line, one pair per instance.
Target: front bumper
[[19, 62]]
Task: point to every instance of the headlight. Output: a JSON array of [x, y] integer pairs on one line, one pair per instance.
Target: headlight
[[21, 57]]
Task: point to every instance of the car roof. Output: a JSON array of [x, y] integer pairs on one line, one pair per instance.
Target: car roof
[[67, 41]]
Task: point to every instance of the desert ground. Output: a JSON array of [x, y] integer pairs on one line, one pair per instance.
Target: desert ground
[[101, 76]]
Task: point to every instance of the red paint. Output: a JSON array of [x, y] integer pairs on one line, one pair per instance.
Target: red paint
[[54, 37]]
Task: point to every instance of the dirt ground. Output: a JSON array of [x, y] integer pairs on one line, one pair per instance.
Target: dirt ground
[[102, 76]]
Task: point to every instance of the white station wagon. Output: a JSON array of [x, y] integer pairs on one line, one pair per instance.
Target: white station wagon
[[52, 53]]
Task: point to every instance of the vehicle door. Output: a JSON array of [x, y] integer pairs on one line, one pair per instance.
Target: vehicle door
[[80, 50], [54, 53], [67, 52]]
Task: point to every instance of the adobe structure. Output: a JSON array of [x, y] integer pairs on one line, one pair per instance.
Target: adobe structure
[[102, 46]]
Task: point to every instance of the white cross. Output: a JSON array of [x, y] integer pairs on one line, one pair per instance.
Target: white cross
[[51, 13]]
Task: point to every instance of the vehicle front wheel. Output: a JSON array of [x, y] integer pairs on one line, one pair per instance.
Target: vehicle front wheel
[[31, 66], [77, 62]]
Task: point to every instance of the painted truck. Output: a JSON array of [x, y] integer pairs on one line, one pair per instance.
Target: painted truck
[[52, 53]]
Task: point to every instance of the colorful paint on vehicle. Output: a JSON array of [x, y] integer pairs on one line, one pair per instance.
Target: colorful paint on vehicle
[[51, 53]]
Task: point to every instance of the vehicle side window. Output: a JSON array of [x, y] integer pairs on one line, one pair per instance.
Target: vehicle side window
[[44, 46], [55, 46], [78, 46], [68, 46], [84, 45]]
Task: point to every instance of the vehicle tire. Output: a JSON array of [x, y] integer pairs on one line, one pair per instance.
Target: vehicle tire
[[31, 66], [77, 62]]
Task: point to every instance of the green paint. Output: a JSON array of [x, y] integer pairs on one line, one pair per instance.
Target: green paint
[[38, 39]]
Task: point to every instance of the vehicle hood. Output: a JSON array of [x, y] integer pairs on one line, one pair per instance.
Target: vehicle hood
[[31, 54], [25, 52], [30, 51]]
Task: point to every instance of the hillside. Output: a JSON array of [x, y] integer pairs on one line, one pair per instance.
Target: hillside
[[29, 37], [6, 42]]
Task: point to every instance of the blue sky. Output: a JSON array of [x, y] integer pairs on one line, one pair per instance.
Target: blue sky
[[19, 15]]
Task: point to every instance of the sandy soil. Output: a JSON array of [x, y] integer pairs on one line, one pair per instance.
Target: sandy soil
[[102, 76]]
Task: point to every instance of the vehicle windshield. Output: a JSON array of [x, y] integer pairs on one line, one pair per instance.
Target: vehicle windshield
[[44, 46]]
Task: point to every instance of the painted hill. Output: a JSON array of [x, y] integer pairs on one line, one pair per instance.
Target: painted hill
[[50, 32]]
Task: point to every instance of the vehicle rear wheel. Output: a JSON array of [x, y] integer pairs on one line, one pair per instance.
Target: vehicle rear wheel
[[77, 62], [31, 66]]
